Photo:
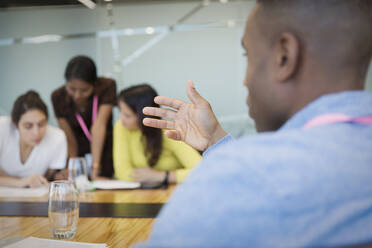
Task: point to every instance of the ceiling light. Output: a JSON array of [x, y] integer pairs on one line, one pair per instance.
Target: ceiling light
[[89, 3], [42, 39], [149, 30], [231, 23], [206, 2]]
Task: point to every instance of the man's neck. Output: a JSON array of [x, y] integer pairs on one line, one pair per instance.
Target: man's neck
[[310, 90]]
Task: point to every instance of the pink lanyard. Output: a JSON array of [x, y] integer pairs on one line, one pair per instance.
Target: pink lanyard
[[94, 116], [338, 118]]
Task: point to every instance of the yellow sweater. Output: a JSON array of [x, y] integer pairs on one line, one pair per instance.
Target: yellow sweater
[[129, 154]]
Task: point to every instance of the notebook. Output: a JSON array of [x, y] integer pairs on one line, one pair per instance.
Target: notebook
[[115, 184], [23, 192], [32, 242]]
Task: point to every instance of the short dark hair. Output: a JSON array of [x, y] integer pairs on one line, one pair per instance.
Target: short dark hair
[[137, 97], [340, 30], [82, 68], [29, 101]]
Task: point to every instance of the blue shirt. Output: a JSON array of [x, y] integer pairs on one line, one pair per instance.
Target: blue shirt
[[292, 187]]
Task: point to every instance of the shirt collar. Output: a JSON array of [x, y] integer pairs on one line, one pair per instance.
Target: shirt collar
[[351, 103]]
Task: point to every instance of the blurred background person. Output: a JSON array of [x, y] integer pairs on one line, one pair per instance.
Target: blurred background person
[[30, 150], [83, 108], [145, 154]]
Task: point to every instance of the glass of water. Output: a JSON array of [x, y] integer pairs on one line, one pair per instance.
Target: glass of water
[[78, 173], [63, 210]]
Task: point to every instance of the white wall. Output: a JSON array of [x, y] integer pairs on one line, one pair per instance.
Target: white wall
[[212, 57]]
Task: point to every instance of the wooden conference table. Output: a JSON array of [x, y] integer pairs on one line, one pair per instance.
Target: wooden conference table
[[115, 232]]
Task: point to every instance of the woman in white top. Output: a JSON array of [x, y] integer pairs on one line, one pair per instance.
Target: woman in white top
[[30, 149]]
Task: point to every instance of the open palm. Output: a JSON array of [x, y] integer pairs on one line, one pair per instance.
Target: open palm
[[194, 123]]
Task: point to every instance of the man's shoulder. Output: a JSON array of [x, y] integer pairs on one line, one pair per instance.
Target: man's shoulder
[[267, 154], [291, 153], [263, 144]]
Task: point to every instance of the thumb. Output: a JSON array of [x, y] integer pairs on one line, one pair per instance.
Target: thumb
[[192, 94]]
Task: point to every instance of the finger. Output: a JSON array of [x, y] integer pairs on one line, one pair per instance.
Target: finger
[[102, 178], [64, 172], [35, 183], [170, 102], [192, 94], [163, 124], [59, 176], [160, 112], [135, 177], [137, 180], [43, 180], [38, 182], [173, 135]]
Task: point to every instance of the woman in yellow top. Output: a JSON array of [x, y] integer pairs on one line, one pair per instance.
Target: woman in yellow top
[[145, 154]]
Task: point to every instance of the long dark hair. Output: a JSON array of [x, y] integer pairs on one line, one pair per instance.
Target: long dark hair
[[82, 68], [29, 101], [137, 97]]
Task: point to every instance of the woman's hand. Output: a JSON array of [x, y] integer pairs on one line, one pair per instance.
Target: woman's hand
[[34, 181], [148, 175], [94, 175], [194, 123], [62, 175]]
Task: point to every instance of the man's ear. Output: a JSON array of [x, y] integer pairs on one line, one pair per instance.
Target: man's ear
[[287, 52]]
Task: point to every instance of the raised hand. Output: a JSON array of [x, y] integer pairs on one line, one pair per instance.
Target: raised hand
[[194, 123]]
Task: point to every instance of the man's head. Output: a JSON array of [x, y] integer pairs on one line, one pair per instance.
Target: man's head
[[299, 50]]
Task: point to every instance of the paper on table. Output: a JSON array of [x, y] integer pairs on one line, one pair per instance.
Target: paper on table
[[115, 184], [23, 192], [32, 242]]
